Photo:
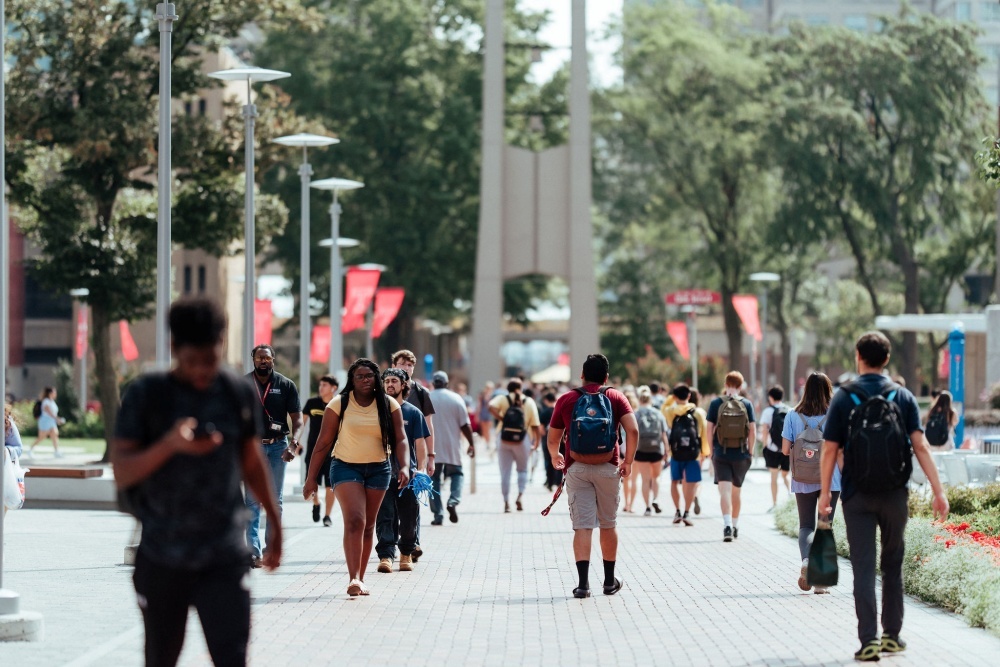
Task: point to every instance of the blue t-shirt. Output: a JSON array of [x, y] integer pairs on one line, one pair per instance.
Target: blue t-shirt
[[733, 453], [839, 415], [795, 424], [415, 426], [12, 440]]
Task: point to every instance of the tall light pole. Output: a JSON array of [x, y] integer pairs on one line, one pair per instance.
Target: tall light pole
[[305, 142], [249, 74], [166, 16], [82, 330], [336, 185], [764, 278], [10, 602]]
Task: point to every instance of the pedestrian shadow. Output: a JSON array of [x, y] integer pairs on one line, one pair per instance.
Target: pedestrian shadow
[[514, 602], [333, 597]]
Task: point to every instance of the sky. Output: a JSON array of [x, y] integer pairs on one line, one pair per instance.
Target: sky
[[558, 33]]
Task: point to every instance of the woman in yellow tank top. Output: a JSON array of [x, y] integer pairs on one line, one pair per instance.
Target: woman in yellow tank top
[[366, 434]]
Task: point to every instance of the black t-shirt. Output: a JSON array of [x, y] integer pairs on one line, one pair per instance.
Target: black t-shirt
[[421, 398], [192, 509], [838, 417], [279, 398], [313, 411], [545, 415]]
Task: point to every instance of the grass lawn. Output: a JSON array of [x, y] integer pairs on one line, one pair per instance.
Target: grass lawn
[[71, 446]]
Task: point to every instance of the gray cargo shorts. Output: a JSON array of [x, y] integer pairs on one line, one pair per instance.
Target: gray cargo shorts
[[594, 492]]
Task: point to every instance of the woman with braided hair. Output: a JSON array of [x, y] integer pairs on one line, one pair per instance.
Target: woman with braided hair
[[367, 425]]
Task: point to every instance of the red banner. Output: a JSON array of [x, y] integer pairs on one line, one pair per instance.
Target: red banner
[[746, 308], [82, 329], [944, 365], [388, 301], [361, 285], [678, 332], [319, 349], [129, 351], [262, 316]]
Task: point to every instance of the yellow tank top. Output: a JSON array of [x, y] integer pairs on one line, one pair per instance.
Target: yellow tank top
[[360, 439]]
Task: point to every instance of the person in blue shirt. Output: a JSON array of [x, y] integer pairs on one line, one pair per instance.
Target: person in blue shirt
[[810, 413]]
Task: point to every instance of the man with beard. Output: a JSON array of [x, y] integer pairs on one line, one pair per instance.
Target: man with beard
[[399, 514], [279, 400]]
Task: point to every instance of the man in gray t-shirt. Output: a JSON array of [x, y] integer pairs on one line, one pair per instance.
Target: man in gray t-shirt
[[450, 418]]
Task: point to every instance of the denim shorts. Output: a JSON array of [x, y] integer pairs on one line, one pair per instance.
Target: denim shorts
[[373, 476]]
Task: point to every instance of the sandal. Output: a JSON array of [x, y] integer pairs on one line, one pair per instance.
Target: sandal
[[581, 593], [518, 505], [364, 589], [354, 588], [614, 588]]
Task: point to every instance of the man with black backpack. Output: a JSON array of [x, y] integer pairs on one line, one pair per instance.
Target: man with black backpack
[[590, 417], [687, 450], [773, 421], [520, 434], [875, 423], [732, 432]]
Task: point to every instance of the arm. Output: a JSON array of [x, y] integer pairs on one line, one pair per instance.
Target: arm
[[786, 446], [827, 461], [430, 434], [555, 437], [710, 433], [48, 410], [258, 480], [402, 449], [324, 443], [752, 436], [133, 464], [297, 426], [467, 432], [631, 427], [923, 453], [420, 444]]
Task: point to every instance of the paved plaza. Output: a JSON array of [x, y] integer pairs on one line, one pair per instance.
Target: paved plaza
[[494, 589]]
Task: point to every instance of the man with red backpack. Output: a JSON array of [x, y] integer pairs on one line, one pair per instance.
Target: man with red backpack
[[875, 424], [590, 417]]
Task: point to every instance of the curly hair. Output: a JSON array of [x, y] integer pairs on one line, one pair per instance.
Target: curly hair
[[381, 401]]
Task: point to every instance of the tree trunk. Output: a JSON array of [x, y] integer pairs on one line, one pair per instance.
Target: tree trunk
[[734, 332], [107, 379], [781, 325]]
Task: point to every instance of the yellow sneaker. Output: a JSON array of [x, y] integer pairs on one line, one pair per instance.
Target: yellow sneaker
[[405, 563]]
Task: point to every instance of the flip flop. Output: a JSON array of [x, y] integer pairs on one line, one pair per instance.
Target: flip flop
[[354, 588]]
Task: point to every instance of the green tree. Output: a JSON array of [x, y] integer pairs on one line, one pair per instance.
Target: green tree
[[82, 122]]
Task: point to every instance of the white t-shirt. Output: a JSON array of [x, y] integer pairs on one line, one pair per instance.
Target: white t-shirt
[[765, 420], [450, 415]]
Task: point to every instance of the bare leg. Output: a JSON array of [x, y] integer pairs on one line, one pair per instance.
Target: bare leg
[[374, 501], [329, 500], [689, 491], [774, 485], [646, 483], [609, 543], [736, 502], [353, 507], [582, 541], [784, 478], [675, 494], [655, 469], [726, 497]]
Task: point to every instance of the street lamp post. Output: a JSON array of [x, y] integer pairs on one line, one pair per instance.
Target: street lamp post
[[166, 16], [764, 277], [249, 74], [336, 185], [305, 142], [82, 329], [692, 326]]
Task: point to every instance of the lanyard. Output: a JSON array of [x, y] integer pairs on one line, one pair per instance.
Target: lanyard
[[263, 397]]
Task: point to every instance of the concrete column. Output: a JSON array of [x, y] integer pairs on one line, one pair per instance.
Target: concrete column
[[584, 337], [992, 345], [487, 309]]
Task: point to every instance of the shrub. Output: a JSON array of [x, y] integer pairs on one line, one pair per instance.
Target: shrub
[[991, 396], [91, 426]]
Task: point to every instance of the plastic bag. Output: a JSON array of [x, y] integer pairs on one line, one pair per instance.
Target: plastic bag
[[822, 569], [13, 483]]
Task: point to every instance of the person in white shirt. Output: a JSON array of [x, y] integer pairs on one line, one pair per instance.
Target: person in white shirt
[[450, 418]]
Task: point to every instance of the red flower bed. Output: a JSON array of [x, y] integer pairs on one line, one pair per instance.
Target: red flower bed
[[963, 534]]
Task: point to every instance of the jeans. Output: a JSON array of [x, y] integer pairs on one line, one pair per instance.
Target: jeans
[[397, 522], [273, 454], [218, 595], [862, 513], [806, 503], [455, 498], [510, 453]]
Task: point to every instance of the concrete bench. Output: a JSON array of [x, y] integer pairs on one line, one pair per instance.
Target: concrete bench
[[73, 472], [68, 487]]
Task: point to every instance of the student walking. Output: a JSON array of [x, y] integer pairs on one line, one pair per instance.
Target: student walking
[[876, 423], [688, 448], [732, 431], [651, 448], [313, 410], [594, 465], [802, 443], [452, 423], [367, 425], [184, 443], [48, 422], [772, 419], [942, 418], [520, 434]]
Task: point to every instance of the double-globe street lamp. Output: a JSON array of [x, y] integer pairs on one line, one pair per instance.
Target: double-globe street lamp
[[305, 142], [336, 185], [249, 74]]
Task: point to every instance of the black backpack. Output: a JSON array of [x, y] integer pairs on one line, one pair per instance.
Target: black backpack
[[777, 425], [877, 455], [685, 443], [936, 431], [36, 410], [512, 427]]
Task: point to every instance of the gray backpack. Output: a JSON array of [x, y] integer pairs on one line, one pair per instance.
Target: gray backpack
[[806, 452], [650, 431]]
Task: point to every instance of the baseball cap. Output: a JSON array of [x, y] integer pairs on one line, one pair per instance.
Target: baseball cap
[[440, 378]]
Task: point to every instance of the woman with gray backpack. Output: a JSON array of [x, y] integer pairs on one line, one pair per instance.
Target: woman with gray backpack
[[651, 448], [802, 440]]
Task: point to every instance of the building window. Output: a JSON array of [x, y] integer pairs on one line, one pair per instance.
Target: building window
[[201, 279], [202, 106], [990, 11], [187, 108], [856, 22], [187, 279], [963, 11]]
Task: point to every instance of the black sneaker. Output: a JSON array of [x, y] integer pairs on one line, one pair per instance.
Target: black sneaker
[[327, 522], [892, 644], [686, 520], [315, 513], [438, 521], [452, 514], [736, 532], [417, 553], [869, 652], [656, 507], [727, 534], [697, 506], [677, 516]]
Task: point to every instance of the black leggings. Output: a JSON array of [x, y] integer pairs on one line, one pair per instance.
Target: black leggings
[[217, 593], [806, 503]]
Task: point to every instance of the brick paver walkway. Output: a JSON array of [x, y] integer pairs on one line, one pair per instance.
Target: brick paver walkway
[[494, 589]]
